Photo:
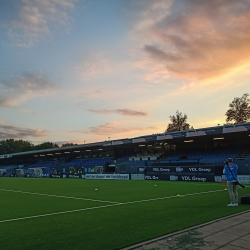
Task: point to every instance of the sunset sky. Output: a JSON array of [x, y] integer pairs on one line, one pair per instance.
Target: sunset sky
[[87, 70]]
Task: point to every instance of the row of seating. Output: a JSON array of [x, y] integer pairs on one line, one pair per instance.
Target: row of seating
[[177, 161], [204, 156], [8, 167], [100, 161], [248, 158], [123, 159], [144, 157], [43, 164]]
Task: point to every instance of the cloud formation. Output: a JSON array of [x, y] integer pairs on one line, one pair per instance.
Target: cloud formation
[[12, 132], [114, 128], [93, 65], [195, 39], [34, 17], [25, 86], [125, 112]]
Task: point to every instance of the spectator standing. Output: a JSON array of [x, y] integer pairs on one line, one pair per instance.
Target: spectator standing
[[231, 181]]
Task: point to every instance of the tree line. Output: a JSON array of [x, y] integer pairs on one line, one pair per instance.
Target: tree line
[[238, 112], [11, 146]]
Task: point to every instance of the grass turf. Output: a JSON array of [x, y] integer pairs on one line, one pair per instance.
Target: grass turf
[[112, 227]]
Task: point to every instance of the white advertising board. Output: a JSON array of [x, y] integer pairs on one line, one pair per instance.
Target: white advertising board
[[107, 176], [244, 179], [137, 177]]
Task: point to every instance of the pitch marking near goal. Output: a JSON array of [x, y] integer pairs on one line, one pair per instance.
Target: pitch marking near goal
[[117, 204], [57, 196]]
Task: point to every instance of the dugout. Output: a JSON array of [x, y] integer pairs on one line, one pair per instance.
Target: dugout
[[35, 172], [19, 172], [2, 172]]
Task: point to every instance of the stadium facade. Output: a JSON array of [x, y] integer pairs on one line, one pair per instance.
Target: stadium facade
[[190, 155]]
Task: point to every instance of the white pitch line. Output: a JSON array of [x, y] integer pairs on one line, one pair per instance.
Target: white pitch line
[[203, 192], [168, 197], [203, 184], [117, 204], [57, 196], [65, 212]]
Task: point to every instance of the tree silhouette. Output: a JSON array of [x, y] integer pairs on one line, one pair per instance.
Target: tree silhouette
[[178, 123], [10, 146], [68, 145], [46, 145], [239, 111]]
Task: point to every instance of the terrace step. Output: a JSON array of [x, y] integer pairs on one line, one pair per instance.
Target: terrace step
[[244, 155]]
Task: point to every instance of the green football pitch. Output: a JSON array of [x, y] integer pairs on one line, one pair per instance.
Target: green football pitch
[[71, 214]]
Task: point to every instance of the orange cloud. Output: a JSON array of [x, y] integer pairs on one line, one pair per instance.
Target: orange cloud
[[198, 40], [115, 128], [125, 112]]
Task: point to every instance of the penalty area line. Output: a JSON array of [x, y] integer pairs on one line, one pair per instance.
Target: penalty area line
[[112, 205], [58, 196]]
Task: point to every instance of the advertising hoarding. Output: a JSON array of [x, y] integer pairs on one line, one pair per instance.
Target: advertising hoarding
[[183, 177], [244, 179], [107, 176]]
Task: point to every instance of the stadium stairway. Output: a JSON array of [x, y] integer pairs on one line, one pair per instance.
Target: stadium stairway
[[244, 155]]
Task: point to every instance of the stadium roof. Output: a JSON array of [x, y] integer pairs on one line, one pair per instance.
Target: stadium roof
[[187, 135]]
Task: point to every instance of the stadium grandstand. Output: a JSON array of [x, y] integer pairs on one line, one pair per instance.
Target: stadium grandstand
[[192, 148]]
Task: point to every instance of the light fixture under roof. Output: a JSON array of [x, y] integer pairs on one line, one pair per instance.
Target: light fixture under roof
[[142, 145], [220, 138], [42, 155], [77, 151], [100, 149], [88, 150], [189, 141], [66, 152], [57, 153], [49, 154]]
